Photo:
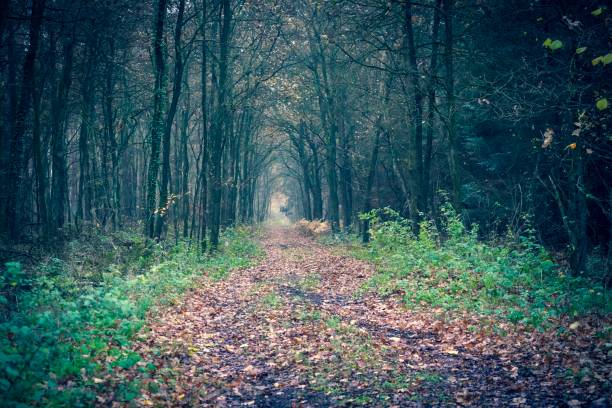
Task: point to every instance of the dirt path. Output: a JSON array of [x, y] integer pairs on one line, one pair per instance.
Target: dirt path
[[291, 332]]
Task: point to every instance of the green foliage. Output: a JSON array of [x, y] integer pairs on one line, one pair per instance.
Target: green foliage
[[13, 275], [309, 282], [553, 45], [68, 327], [272, 300], [333, 322], [450, 268], [602, 104], [310, 315], [603, 59]]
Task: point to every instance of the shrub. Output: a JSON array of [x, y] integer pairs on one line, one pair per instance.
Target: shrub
[[68, 328], [449, 267]]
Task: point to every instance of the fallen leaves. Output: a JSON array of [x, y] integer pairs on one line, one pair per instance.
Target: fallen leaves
[[321, 346], [252, 370]]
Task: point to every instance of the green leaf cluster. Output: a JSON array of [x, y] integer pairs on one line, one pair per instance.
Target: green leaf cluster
[[447, 266], [66, 331], [552, 45]]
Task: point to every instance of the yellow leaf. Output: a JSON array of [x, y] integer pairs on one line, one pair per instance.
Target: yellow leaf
[[574, 325], [571, 146]]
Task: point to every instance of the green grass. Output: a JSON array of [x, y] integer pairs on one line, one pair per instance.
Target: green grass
[[272, 300], [451, 269], [69, 323], [309, 283], [333, 322], [310, 315]]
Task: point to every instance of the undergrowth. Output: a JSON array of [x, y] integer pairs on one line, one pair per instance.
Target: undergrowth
[[68, 323], [449, 268]]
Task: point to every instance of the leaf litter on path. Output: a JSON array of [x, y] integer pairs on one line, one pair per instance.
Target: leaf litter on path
[[290, 332]]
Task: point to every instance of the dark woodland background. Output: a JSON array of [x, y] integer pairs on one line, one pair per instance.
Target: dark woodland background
[[186, 116], [456, 153]]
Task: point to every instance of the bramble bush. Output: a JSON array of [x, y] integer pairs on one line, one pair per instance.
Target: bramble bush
[[66, 326], [450, 268]]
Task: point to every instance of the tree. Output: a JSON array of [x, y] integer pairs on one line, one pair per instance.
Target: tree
[[164, 204], [449, 79], [157, 125], [16, 163], [223, 122]]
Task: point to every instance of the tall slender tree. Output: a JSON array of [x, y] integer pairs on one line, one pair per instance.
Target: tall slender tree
[[223, 122], [179, 66], [16, 163], [158, 123]]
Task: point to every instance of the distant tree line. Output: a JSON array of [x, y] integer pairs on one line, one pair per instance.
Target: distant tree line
[[119, 111]]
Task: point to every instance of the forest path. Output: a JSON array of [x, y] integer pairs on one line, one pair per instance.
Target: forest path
[[291, 332]]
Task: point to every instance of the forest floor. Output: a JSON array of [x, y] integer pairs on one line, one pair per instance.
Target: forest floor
[[291, 331]]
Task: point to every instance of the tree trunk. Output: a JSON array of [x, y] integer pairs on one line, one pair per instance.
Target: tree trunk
[[86, 193], [450, 103], [431, 106], [157, 127], [110, 142], [367, 201], [164, 205], [222, 125], [304, 159], [233, 169], [16, 169], [204, 142], [59, 184], [41, 177], [346, 178], [245, 179], [184, 185], [317, 194], [415, 148], [11, 109], [328, 123]]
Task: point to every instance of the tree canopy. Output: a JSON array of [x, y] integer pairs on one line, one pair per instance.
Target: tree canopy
[[186, 116]]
